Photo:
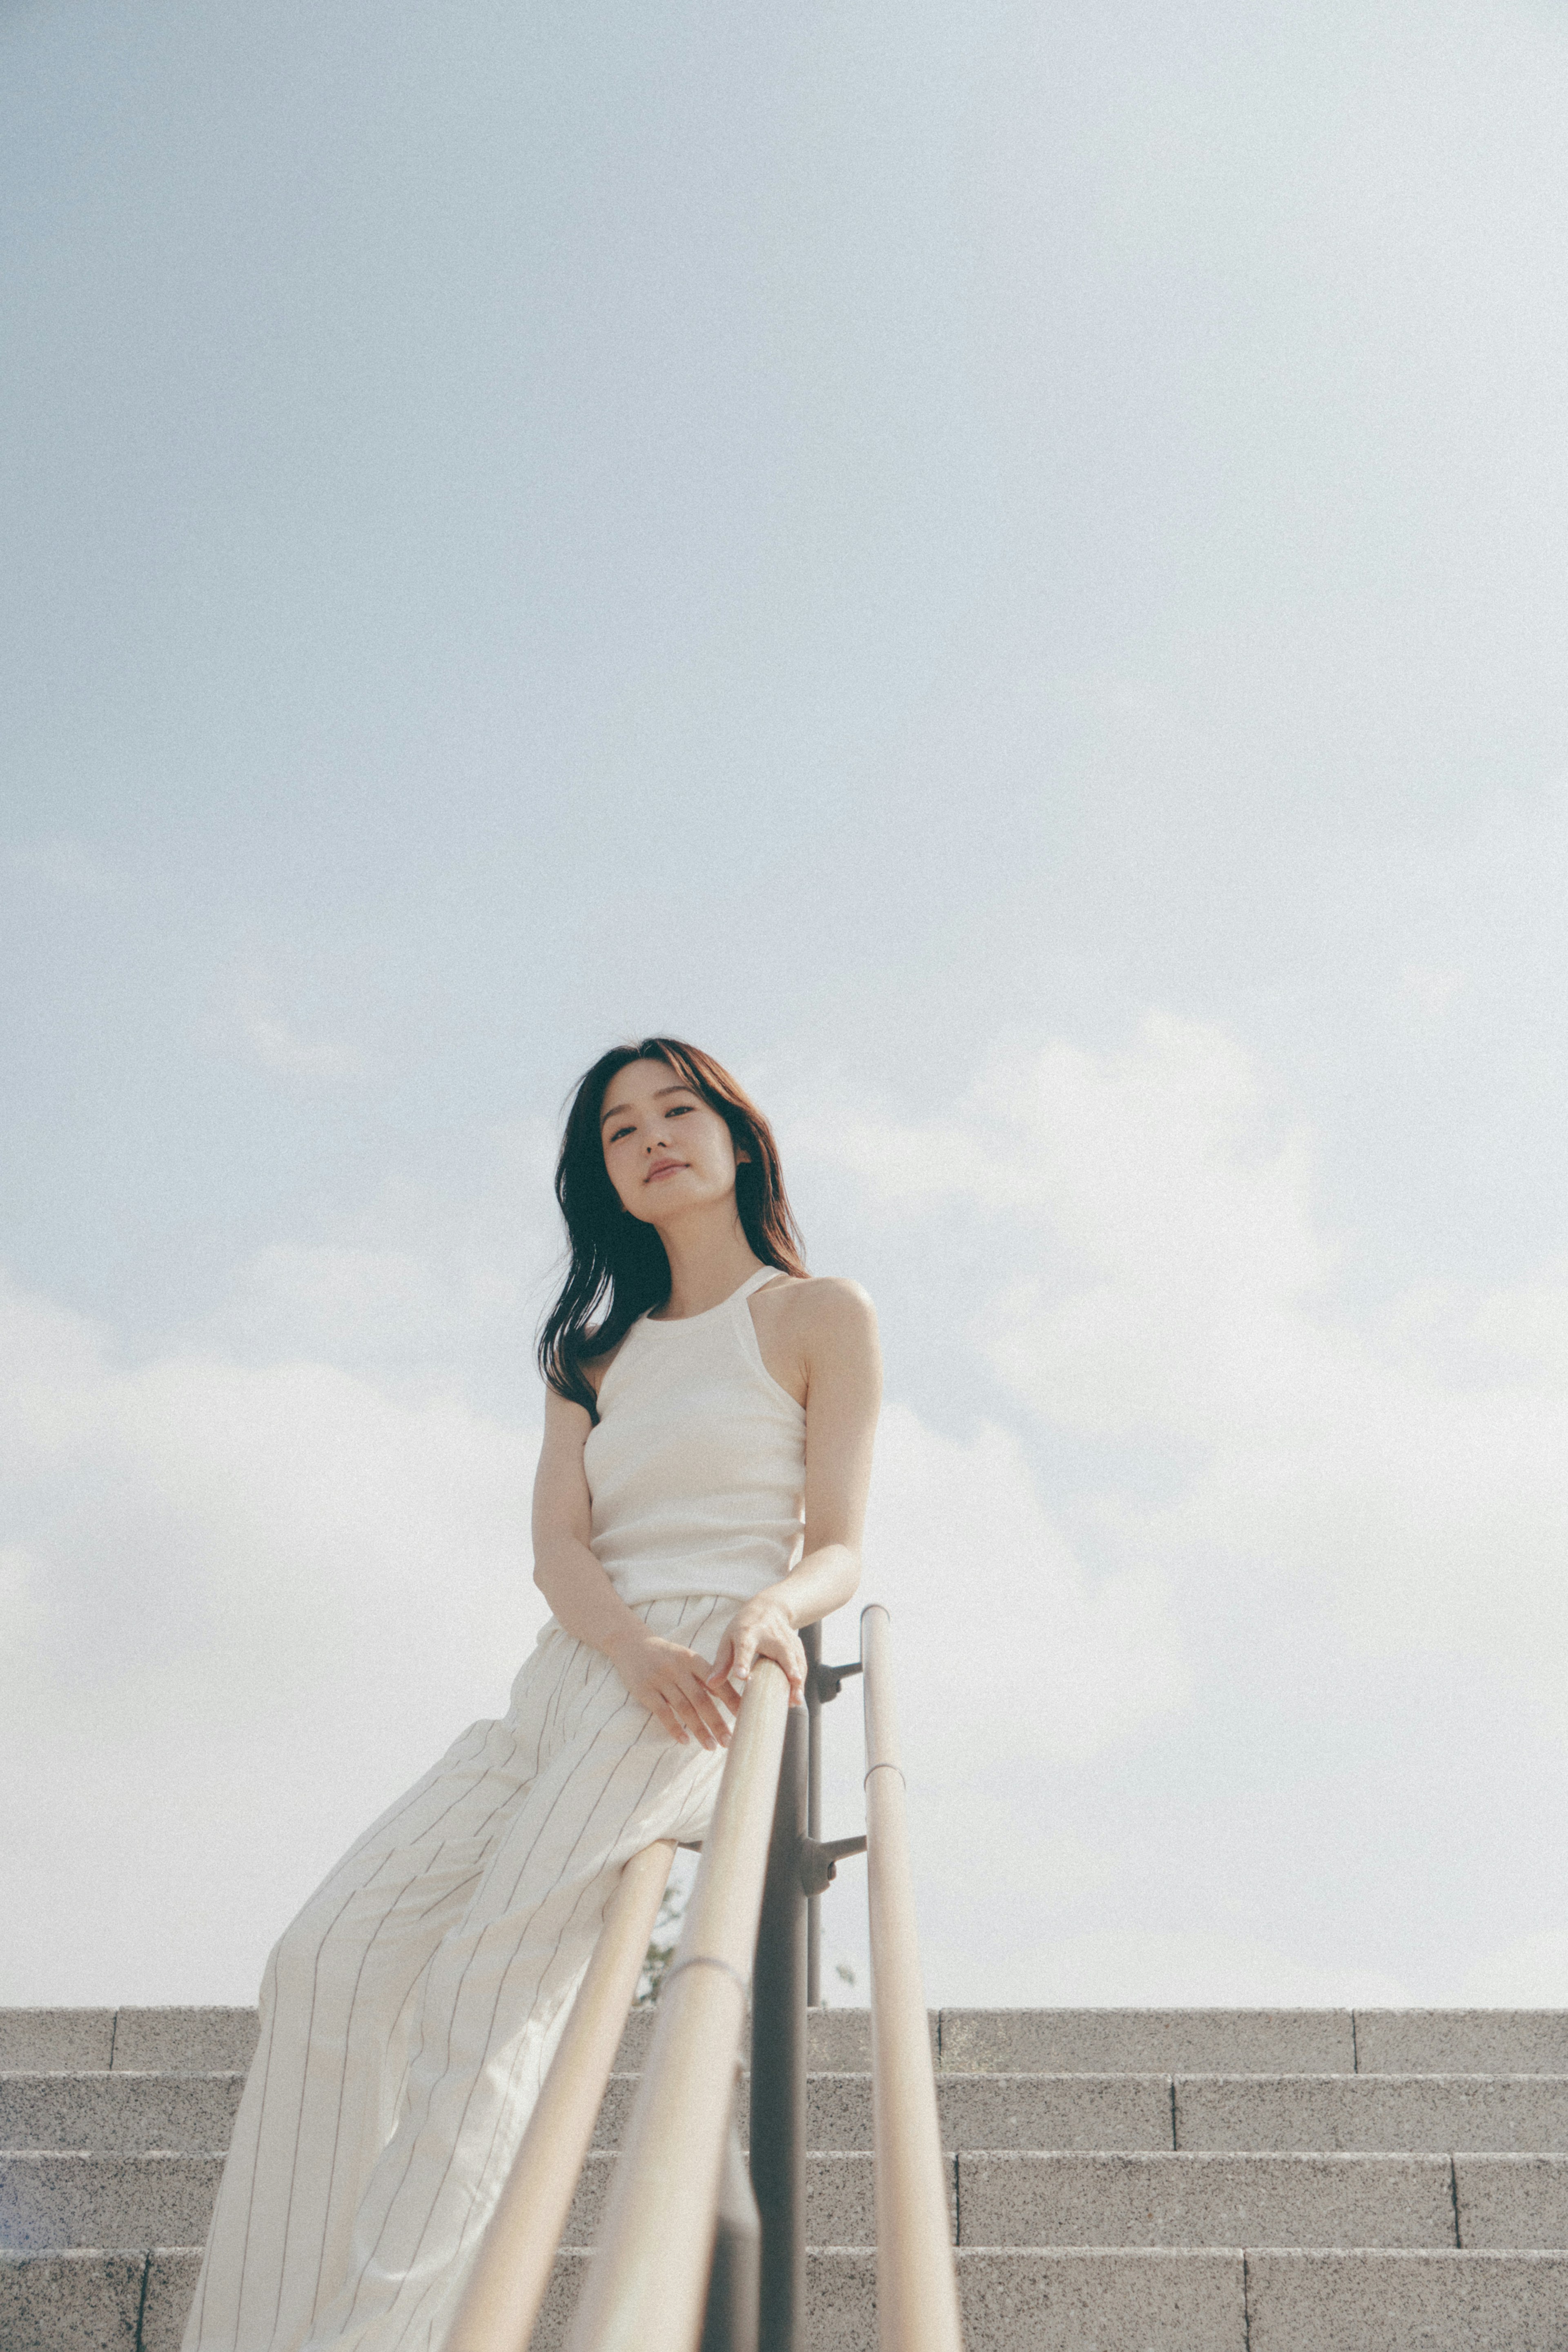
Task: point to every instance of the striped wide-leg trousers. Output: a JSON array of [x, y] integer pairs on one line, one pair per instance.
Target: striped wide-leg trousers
[[409, 2013]]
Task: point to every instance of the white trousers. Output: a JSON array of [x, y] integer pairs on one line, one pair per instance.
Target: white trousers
[[409, 2013]]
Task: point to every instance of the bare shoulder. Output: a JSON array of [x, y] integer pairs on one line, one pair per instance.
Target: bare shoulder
[[817, 1336], [835, 1299], [822, 1310]]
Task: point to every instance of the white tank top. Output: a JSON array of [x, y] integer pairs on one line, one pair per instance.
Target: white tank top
[[697, 1465]]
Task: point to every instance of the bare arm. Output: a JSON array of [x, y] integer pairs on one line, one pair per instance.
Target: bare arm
[[843, 1365], [666, 1678]]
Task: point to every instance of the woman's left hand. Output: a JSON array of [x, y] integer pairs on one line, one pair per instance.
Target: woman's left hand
[[759, 1629]]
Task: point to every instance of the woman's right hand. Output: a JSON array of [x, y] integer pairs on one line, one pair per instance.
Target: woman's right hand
[[671, 1683]]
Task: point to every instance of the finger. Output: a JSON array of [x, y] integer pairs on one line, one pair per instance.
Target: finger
[[709, 1712], [721, 1665], [700, 1703], [724, 1700], [691, 1717], [790, 1655], [668, 1701]]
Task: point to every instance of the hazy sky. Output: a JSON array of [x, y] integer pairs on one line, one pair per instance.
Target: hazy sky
[[1002, 568]]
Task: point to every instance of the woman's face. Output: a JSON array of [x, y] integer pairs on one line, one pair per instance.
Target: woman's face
[[667, 1149]]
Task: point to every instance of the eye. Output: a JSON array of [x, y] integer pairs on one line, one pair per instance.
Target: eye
[[619, 1133], [679, 1110]]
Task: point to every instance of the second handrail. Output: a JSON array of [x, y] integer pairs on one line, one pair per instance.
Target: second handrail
[[917, 2280], [512, 2271]]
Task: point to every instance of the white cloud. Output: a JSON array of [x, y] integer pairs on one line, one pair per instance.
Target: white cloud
[[421, 1284], [999, 1623], [1281, 1529], [1413, 1479], [248, 1601], [256, 1583], [1011, 1662], [246, 1604]]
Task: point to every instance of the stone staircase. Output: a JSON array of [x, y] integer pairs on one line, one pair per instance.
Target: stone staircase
[[1121, 2181]]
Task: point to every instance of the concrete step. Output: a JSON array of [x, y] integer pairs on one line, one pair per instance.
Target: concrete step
[[52, 2202], [1389, 2115], [1124, 2181], [218, 2040], [1209, 2200], [119, 2115], [1068, 2299], [1148, 2041], [1418, 2115], [986, 2041], [1034, 2110], [1075, 2302], [1318, 2301], [1254, 2041], [135, 2113], [1511, 2200], [86, 2301], [1461, 2040], [55, 2039], [1084, 2299], [125, 2113], [1029, 2199], [840, 2209], [180, 2041]]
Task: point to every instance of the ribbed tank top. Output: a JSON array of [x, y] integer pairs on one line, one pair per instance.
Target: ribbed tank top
[[697, 1465]]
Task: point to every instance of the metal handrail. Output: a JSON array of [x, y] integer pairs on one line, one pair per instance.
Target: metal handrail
[[512, 2270], [645, 2287], [682, 2225], [916, 2279]]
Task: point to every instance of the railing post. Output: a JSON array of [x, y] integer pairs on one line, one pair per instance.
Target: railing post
[[731, 2316], [812, 1641], [916, 2283], [778, 2056]]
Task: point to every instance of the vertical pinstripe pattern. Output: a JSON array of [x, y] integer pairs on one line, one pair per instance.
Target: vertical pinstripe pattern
[[411, 2010]]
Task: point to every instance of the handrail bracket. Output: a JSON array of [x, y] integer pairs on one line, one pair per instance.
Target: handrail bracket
[[827, 1681], [819, 1860]]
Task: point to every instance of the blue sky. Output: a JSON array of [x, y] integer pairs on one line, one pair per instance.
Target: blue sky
[[1002, 570]]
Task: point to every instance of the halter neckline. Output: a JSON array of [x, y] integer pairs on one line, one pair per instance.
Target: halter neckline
[[678, 1322]]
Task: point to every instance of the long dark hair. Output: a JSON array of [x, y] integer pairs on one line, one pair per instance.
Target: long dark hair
[[618, 1268]]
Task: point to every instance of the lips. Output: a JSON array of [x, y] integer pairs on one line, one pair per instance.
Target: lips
[[663, 1168]]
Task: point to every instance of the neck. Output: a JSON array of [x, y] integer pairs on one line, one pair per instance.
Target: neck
[[709, 1258]]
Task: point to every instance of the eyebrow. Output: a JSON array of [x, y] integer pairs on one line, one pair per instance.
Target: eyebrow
[[616, 1110]]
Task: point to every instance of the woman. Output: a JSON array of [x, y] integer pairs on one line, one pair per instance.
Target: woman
[[708, 1422]]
